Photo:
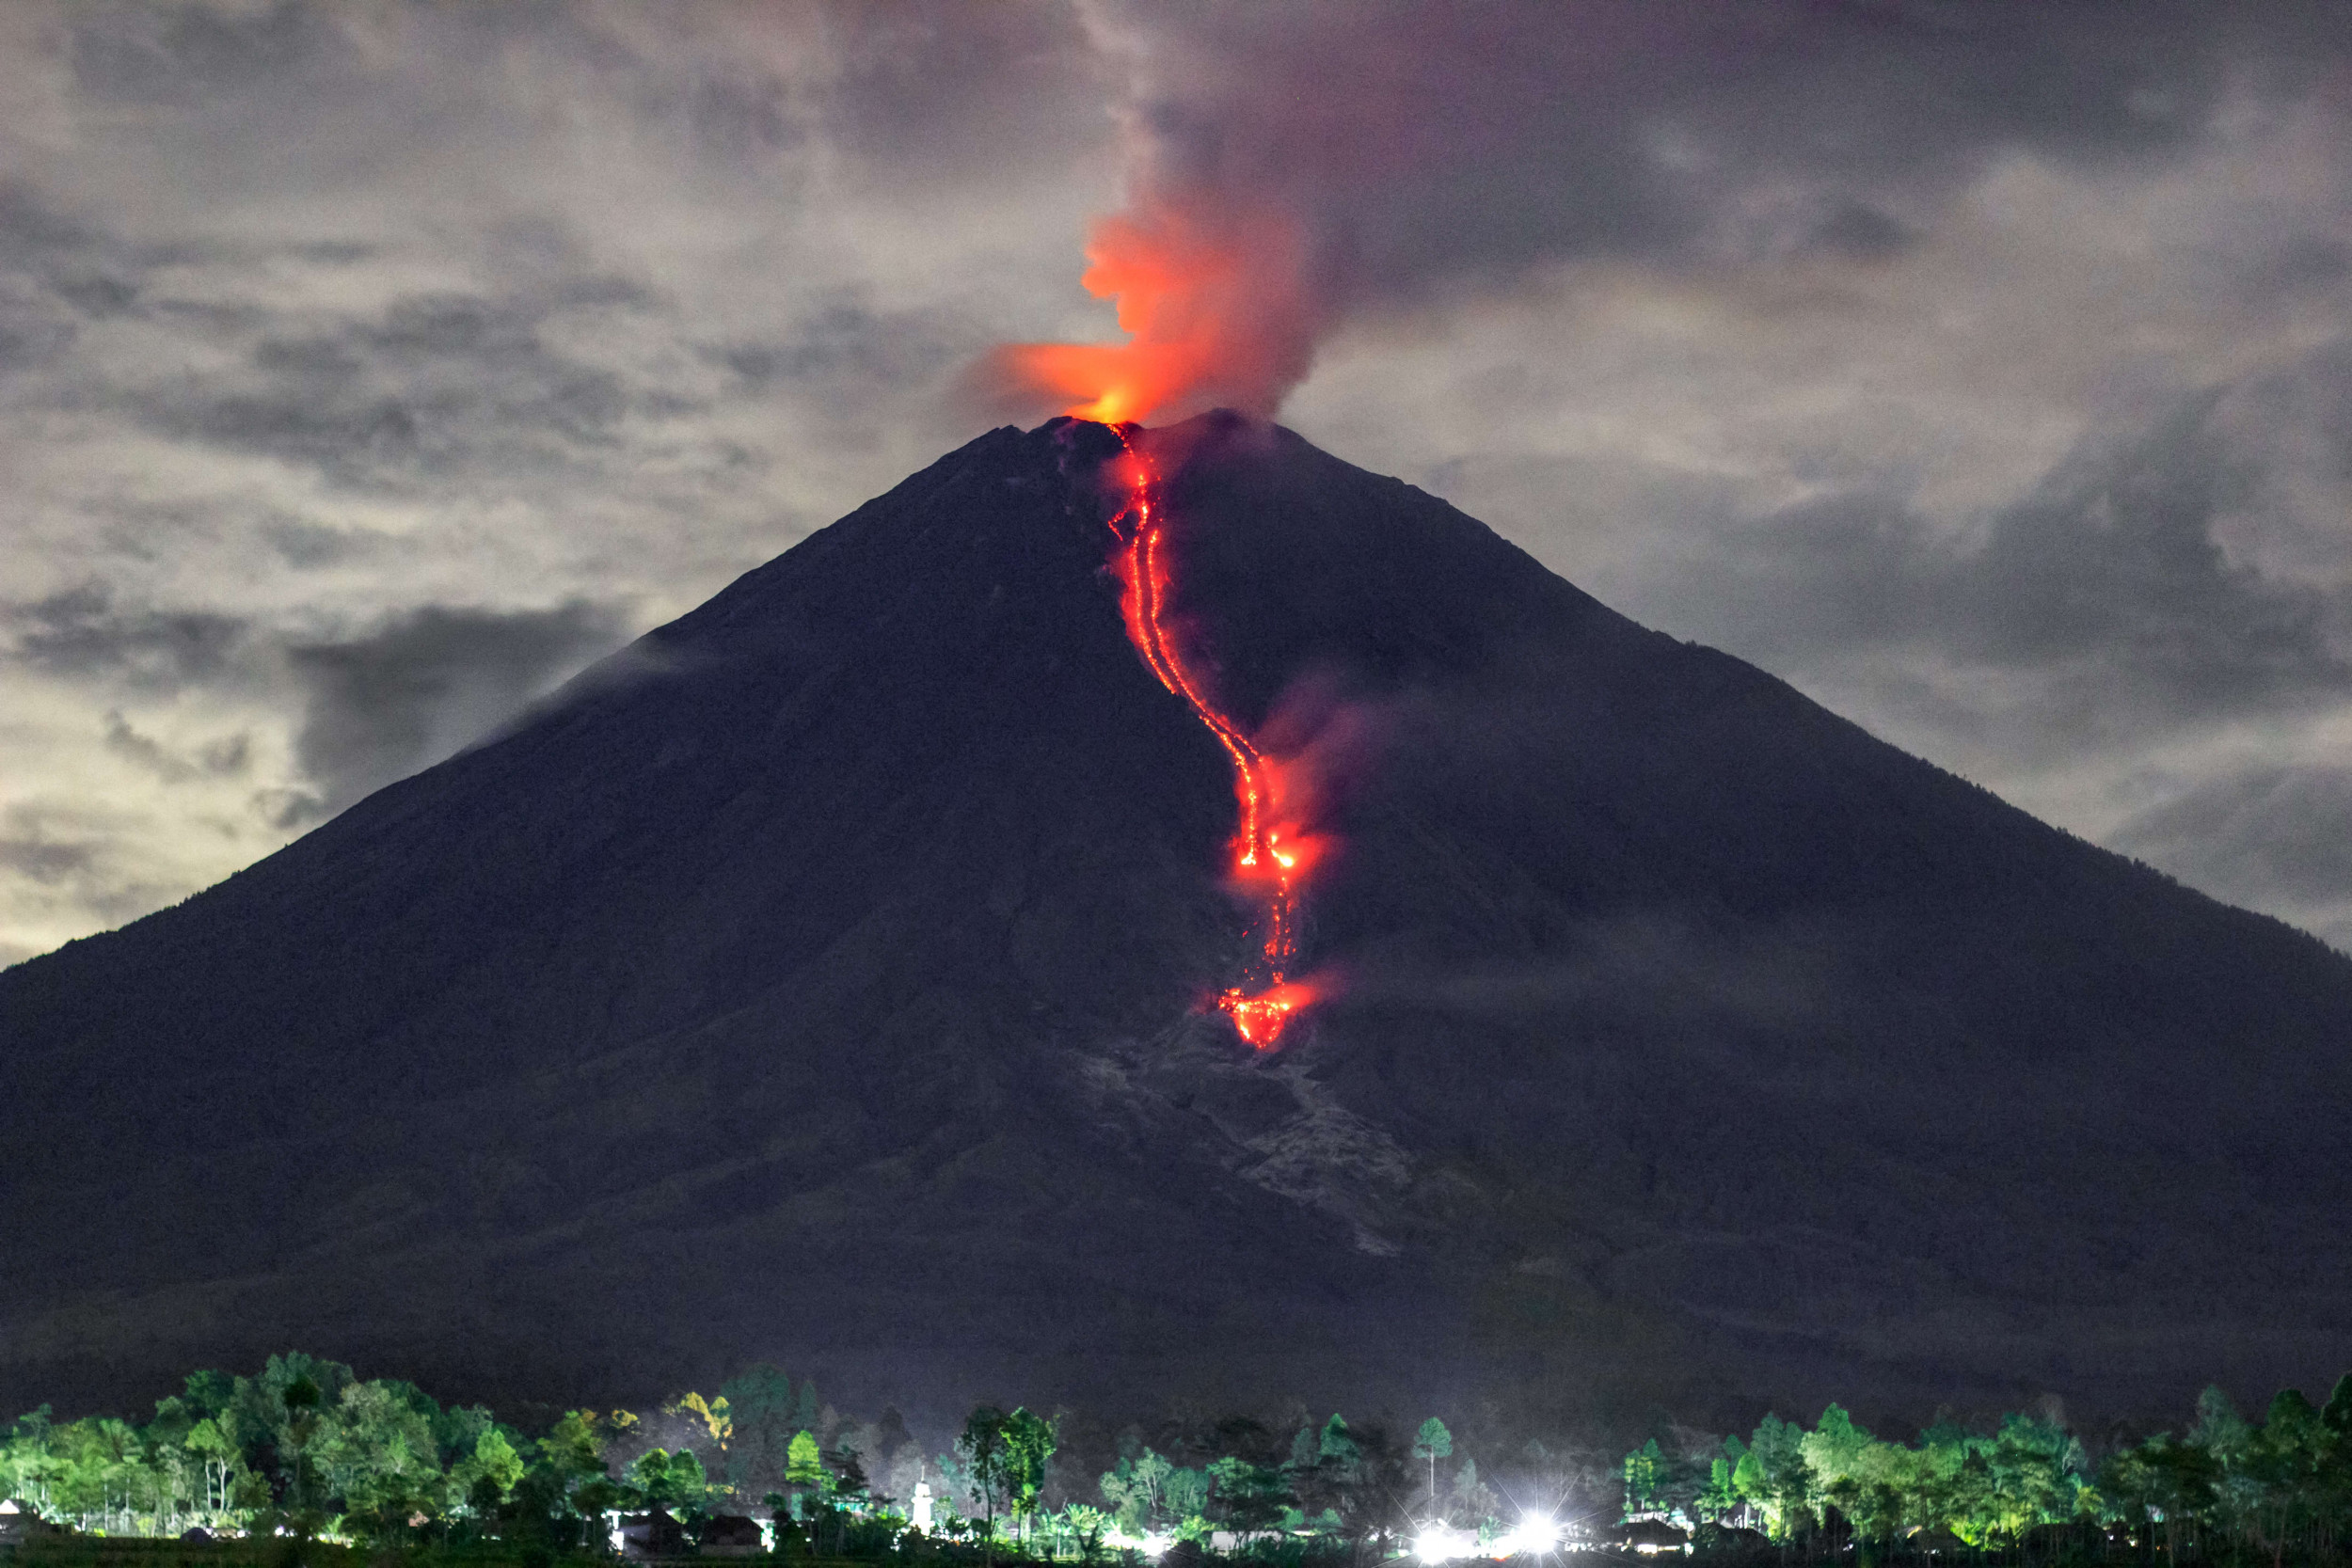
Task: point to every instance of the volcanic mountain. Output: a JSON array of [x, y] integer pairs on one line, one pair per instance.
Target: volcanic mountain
[[822, 978]]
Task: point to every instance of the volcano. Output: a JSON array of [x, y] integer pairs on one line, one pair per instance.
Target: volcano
[[822, 978]]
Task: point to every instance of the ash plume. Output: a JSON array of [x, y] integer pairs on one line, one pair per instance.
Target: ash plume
[[1294, 168]]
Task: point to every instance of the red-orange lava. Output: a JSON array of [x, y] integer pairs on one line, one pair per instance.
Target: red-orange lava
[[1272, 850]]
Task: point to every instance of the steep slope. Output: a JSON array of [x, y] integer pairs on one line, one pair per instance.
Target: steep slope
[[818, 979]]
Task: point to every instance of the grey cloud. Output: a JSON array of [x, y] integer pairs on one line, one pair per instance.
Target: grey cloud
[[181, 54], [225, 757], [2278, 837], [926, 93], [48, 280], [33, 329], [2117, 557], [2109, 583], [1860, 232], [845, 340], [31, 229], [44, 861], [433, 387], [2305, 262], [68, 265], [304, 545], [74, 858], [82, 634], [423, 685], [1425, 143]]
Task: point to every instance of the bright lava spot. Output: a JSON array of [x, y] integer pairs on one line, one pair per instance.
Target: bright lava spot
[[1270, 853]]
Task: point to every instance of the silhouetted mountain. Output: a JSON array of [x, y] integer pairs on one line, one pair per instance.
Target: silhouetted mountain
[[818, 979]]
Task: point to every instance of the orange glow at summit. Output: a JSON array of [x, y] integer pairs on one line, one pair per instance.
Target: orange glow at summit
[[1215, 307]]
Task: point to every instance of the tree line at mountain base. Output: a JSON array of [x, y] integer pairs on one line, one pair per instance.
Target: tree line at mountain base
[[305, 1465]]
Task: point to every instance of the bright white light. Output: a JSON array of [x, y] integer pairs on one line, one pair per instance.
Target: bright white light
[[1533, 1535], [1155, 1545], [1441, 1542]]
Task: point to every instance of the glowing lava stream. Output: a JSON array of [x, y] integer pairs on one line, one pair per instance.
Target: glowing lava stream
[[1265, 858]]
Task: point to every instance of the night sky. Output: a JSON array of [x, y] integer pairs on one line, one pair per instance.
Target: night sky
[[367, 370]]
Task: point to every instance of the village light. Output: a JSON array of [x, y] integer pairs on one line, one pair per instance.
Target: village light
[[1536, 1535], [1443, 1543]]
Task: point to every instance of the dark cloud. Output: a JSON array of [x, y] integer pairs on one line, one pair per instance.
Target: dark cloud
[[49, 279], [2109, 583], [434, 385], [423, 685], [1860, 232], [225, 757], [82, 634], [44, 861], [1426, 144], [304, 545], [926, 93], [184, 53], [68, 267], [843, 343], [70, 856]]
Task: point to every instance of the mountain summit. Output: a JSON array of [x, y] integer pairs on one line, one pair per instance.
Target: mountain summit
[[821, 978]]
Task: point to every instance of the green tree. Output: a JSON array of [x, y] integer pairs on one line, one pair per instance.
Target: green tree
[[218, 1458], [1432, 1443], [375, 1457], [764, 1415], [1028, 1443], [1787, 1483], [1719, 1497], [1136, 1492], [488, 1476], [2163, 1480], [1251, 1499], [668, 1482], [987, 1464], [1644, 1473], [1087, 1524], [1187, 1498], [1834, 1449]]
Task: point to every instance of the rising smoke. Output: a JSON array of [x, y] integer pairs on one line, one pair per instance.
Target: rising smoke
[[1291, 169]]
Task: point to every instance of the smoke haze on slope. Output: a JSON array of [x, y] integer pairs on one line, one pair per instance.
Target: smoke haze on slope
[[1979, 369]]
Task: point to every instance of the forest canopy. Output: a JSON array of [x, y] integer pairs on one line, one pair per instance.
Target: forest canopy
[[306, 1446]]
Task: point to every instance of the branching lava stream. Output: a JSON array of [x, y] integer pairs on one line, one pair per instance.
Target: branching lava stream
[[1270, 852]]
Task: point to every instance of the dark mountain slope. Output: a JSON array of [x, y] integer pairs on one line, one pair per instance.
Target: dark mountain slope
[[814, 980]]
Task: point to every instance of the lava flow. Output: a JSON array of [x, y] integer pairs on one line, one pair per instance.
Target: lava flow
[[1270, 851]]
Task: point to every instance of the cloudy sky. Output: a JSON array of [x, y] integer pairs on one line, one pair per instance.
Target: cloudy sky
[[365, 369]]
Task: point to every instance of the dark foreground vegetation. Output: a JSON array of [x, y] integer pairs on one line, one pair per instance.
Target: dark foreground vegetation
[[305, 1465]]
